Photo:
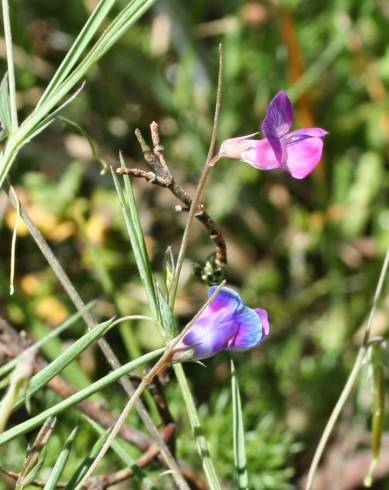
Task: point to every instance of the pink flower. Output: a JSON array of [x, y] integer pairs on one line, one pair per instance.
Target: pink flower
[[298, 152]]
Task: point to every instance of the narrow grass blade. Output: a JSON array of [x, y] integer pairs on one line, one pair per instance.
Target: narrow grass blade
[[122, 453], [6, 368], [54, 115], [60, 464], [55, 367], [83, 467], [127, 16], [238, 433], [110, 378], [201, 441], [131, 218], [5, 109], [78, 47]]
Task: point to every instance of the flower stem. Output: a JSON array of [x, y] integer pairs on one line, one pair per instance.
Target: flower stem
[[209, 164], [351, 379]]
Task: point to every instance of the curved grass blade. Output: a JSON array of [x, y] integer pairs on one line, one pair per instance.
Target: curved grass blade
[[238, 433], [78, 47], [60, 464], [134, 230], [6, 368], [45, 375], [110, 378]]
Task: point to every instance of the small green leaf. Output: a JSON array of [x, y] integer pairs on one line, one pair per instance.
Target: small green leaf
[[169, 324], [238, 434]]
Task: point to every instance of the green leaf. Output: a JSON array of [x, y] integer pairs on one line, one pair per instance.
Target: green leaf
[[238, 433], [5, 108], [46, 374], [60, 464], [113, 376], [123, 454]]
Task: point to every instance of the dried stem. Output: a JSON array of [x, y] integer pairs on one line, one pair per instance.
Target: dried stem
[[35, 450], [162, 176], [103, 344]]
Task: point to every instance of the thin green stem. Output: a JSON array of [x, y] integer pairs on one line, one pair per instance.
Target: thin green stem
[[10, 65], [209, 164], [351, 379]]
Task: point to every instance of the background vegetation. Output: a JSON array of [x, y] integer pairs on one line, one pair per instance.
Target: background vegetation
[[308, 251]]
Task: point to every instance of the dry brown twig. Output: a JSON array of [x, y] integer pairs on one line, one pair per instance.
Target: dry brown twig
[[162, 176]]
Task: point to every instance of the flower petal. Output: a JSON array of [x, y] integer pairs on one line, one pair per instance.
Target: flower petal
[[250, 331], [233, 147], [264, 319], [277, 122], [306, 132], [209, 336], [225, 302], [303, 156], [260, 155]]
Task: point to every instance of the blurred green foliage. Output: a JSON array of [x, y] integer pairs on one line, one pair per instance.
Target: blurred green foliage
[[308, 251]]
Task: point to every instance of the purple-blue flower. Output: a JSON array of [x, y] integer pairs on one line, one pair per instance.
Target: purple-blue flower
[[298, 152], [225, 324]]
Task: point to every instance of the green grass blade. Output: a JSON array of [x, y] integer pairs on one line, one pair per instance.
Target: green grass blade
[[6, 368], [201, 441], [46, 374], [110, 378], [78, 47], [42, 125], [135, 234], [60, 464], [88, 460], [128, 16], [238, 433], [122, 453], [5, 108]]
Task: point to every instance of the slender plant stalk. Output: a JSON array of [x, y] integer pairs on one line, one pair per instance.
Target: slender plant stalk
[[10, 65], [351, 379], [162, 362], [103, 344], [209, 164]]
